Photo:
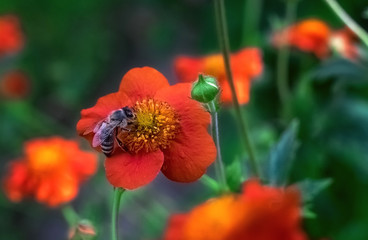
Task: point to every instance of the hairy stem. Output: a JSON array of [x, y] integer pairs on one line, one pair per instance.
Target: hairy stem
[[219, 165], [224, 44], [118, 192], [283, 56]]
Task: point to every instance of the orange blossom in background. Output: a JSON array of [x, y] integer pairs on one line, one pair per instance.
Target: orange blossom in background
[[259, 213], [315, 36], [50, 171], [246, 65], [11, 37], [14, 85]]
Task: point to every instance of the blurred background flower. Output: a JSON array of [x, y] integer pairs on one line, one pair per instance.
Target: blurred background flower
[[11, 36], [50, 171], [246, 64], [14, 85], [259, 213]]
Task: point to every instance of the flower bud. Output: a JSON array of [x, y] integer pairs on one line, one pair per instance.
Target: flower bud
[[84, 230], [205, 89]]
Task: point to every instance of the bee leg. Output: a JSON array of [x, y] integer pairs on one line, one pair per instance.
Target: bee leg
[[121, 145]]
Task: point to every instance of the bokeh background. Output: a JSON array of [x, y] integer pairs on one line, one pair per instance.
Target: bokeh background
[[77, 51]]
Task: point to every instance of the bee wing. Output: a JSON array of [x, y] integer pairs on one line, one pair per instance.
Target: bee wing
[[98, 130], [103, 133]]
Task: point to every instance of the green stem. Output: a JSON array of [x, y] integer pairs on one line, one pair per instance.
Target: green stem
[[283, 56], [340, 12], [118, 192], [224, 44], [210, 183], [219, 165], [252, 14], [70, 216]]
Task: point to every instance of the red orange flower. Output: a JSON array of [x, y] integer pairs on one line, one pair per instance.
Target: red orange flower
[[311, 35], [168, 134], [51, 171], [11, 37], [314, 35], [14, 84], [246, 65], [259, 213]]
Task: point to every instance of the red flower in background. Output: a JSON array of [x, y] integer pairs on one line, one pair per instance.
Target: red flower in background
[[311, 35], [259, 213], [11, 37], [50, 171], [246, 65], [169, 132], [315, 36], [14, 85]]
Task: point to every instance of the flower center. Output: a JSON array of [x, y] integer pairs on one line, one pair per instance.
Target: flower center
[[45, 158], [155, 127]]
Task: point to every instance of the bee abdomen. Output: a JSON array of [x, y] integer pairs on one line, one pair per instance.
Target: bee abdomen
[[107, 146]]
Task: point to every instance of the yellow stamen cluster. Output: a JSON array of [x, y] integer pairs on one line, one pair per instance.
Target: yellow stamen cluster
[[156, 125]]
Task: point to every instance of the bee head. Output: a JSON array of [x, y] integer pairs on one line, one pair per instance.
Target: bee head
[[128, 112]]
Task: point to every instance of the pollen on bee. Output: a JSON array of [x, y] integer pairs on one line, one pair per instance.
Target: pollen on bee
[[155, 127]]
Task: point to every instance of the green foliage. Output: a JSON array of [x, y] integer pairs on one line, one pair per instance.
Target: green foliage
[[235, 174], [342, 70], [280, 159], [311, 188]]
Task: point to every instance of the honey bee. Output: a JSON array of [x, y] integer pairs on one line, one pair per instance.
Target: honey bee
[[106, 130]]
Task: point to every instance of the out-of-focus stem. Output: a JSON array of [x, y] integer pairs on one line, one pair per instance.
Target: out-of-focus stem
[[118, 192], [340, 12], [224, 44], [219, 165], [210, 182], [252, 16], [71, 217], [283, 55]]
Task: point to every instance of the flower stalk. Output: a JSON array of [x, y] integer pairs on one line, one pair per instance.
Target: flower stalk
[[70, 216], [340, 12], [118, 192], [252, 16], [219, 165], [224, 44], [283, 56]]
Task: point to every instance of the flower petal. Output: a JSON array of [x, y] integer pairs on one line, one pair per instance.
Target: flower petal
[[188, 68], [175, 227], [193, 150], [133, 171], [242, 88], [190, 111], [14, 181], [143, 82], [104, 106], [247, 62]]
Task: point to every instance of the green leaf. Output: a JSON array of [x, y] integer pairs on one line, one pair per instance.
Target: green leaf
[[307, 212], [311, 188], [280, 159], [343, 70], [235, 174], [210, 183]]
